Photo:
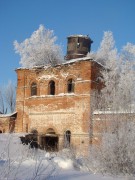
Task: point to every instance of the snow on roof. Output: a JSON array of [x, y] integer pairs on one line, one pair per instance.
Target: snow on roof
[[79, 35], [64, 63], [76, 60], [82, 59], [112, 112], [7, 115], [35, 67]]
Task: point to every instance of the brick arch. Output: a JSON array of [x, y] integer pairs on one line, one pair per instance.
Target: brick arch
[[71, 76], [33, 80], [51, 127], [66, 129], [50, 130]]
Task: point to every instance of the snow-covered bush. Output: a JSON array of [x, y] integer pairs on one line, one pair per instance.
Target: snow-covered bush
[[17, 161], [116, 154], [40, 49]]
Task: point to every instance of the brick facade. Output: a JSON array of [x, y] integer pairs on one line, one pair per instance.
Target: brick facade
[[64, 111]]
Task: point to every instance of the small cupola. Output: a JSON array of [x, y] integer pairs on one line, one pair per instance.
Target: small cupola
[[78, 46]]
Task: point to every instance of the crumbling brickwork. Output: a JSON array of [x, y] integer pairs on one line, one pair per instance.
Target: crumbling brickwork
[[7, 122], [64, 108]]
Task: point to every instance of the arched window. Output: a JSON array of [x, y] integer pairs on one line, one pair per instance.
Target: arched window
[[70, 86], [67, 139], [51, 88], [33, 89]]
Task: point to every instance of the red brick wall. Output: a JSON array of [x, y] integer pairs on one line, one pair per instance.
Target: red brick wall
[[62, 111]]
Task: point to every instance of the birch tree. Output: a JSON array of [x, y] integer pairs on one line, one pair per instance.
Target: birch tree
[[10, 96], [7, 98]]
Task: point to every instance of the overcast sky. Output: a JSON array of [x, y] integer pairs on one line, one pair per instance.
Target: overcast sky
[[19, 18]]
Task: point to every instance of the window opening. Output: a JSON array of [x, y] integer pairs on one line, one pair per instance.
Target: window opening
[[70, 86], [51, 88], [33, 89], [78, 44]]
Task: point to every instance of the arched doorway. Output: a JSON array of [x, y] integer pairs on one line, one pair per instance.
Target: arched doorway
[[67, 139], [0, 131], [50, 141], [51, 88]]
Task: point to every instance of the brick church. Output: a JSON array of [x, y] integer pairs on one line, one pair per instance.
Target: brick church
[[54, 103]]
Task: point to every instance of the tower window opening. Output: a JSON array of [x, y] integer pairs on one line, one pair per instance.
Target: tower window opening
[[70, 86], [51, 88], [33, 89], [78, 44]]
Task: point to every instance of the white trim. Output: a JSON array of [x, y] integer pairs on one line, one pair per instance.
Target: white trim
[[7, 115]]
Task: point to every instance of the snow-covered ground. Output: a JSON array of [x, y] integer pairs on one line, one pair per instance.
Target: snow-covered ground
[[18, 162]]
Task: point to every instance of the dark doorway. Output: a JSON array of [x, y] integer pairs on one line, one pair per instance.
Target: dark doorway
[[49, 142], [0, 131]]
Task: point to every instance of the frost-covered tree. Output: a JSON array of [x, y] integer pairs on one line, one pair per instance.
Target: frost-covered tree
[[107, 53], [3, 109], [40, 49], [127, 76], [118, 74], [116, 153], [119, 81]]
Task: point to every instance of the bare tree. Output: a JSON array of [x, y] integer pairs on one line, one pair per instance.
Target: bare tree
[[7, 98], [10, 96], [3, 109]]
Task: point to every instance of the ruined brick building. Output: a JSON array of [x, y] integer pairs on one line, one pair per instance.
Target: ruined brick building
[[54, 102], [7, 122]]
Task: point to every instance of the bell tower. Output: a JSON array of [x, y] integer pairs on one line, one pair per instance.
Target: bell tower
[[78, 46]]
